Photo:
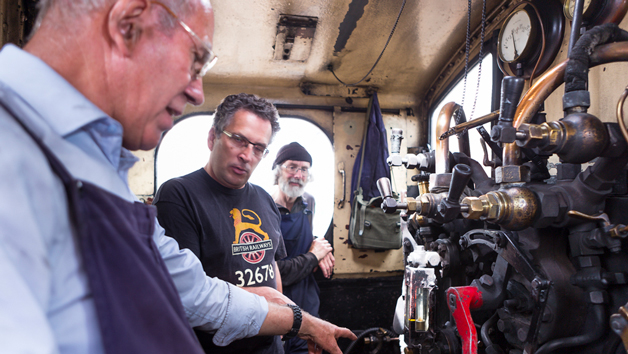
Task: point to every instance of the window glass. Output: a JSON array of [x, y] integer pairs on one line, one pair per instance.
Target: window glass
[[184, 150], [482, 106]]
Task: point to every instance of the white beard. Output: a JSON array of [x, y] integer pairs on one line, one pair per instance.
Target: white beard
[[291, 191]]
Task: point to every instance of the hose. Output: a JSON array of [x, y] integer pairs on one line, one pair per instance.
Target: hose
[[363, 334], [576, 73], [595, 321]]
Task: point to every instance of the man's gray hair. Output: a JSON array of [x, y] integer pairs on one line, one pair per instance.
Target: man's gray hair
[[251, 103], [78, 8]]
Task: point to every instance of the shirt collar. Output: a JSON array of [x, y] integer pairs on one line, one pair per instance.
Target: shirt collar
[[63, 107]]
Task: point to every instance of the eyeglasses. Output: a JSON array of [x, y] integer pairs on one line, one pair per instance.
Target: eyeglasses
[[259, 150], [293, 169], [203, 59]]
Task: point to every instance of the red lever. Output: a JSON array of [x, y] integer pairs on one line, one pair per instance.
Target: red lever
[[461, 300]]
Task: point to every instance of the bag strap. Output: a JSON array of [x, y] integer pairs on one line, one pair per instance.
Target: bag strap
[[368, 119], [361, 218]]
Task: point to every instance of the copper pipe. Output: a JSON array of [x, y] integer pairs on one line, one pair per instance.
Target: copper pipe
[[460, 128], [442, 146], [549, 82], [620, 113]]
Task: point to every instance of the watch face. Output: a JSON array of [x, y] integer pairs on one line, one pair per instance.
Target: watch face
[[515, 36], [570, 7]]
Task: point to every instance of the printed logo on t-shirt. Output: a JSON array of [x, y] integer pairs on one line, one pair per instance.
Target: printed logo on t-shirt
[[250, 240]]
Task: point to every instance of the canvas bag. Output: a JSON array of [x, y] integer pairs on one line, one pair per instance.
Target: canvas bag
[[370, 227]]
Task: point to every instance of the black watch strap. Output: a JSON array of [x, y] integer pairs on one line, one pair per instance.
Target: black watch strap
[[296, 322]]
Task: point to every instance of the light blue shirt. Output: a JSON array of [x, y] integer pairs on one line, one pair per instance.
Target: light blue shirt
[[45, 302]]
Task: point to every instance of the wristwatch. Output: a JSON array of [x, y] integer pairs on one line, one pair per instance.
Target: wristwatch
[[296, 322]]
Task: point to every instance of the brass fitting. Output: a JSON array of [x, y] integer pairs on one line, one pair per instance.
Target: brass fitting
[[514, 208], [577, 138], [420, 219], [475, 208], [424, 187], [428, 204], [412, 204], [545, 136]]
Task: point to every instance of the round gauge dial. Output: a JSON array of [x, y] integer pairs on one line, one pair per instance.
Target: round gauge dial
[[515, 36], [570, 5], [524, 31]]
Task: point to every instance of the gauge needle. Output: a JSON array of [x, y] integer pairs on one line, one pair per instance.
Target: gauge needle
[[513, 43]]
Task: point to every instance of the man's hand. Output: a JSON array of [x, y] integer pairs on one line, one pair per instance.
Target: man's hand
[[327, 264], [320, 247], [270, 294], [322, 335]]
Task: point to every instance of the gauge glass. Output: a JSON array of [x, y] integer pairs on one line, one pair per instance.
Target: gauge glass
[[570, 6], [515, 36]]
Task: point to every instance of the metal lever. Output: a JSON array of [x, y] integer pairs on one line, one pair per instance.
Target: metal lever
[[341, 169], [504, 131], [449, 208], [389, 204]]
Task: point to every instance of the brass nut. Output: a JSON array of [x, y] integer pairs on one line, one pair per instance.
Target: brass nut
[[554, 133], [535, 135], [476, 208], [423, 206], [412, 204], [491, 206], [512, 174]]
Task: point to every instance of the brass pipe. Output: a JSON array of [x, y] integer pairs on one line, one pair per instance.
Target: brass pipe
[[459, 128], [549, 82], [620, 113], [442, 146]]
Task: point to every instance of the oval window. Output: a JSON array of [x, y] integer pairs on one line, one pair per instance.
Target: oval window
[[184, 149]]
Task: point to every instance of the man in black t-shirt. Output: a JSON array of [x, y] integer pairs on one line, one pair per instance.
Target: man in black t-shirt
[[231, 225]]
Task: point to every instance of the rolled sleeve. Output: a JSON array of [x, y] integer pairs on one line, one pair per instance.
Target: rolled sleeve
[[245, 314], [211, 304]]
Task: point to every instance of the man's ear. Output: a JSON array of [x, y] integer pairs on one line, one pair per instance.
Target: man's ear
[[211, 138], [126, 22]]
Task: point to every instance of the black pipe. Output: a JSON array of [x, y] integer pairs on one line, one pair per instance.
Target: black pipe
[[576, 24], [484, 331], [576, 72], [596, 320], [363, 334]]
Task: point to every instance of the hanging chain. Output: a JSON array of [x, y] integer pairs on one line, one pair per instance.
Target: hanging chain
[[481, 55], [466, 59], [466, 56]]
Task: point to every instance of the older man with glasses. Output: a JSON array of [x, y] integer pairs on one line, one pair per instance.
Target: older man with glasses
[[84, 268], [231, 225], [305, 253]]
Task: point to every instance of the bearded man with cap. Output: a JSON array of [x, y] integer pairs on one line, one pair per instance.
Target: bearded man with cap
[[305, 252]]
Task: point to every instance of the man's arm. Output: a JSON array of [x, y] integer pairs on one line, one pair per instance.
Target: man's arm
[[278, 279], [270, 294], [215, 305], [314, 330], [298, 268], [327, 264]]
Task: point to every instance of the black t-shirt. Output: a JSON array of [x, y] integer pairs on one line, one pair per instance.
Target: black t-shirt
[[236, 233]]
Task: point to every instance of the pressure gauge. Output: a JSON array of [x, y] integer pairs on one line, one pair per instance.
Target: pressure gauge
[[516, 36], [570, 5], [520, 41], [597, 12]]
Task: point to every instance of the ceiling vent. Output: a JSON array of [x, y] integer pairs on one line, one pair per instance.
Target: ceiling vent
[[294, 37]]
